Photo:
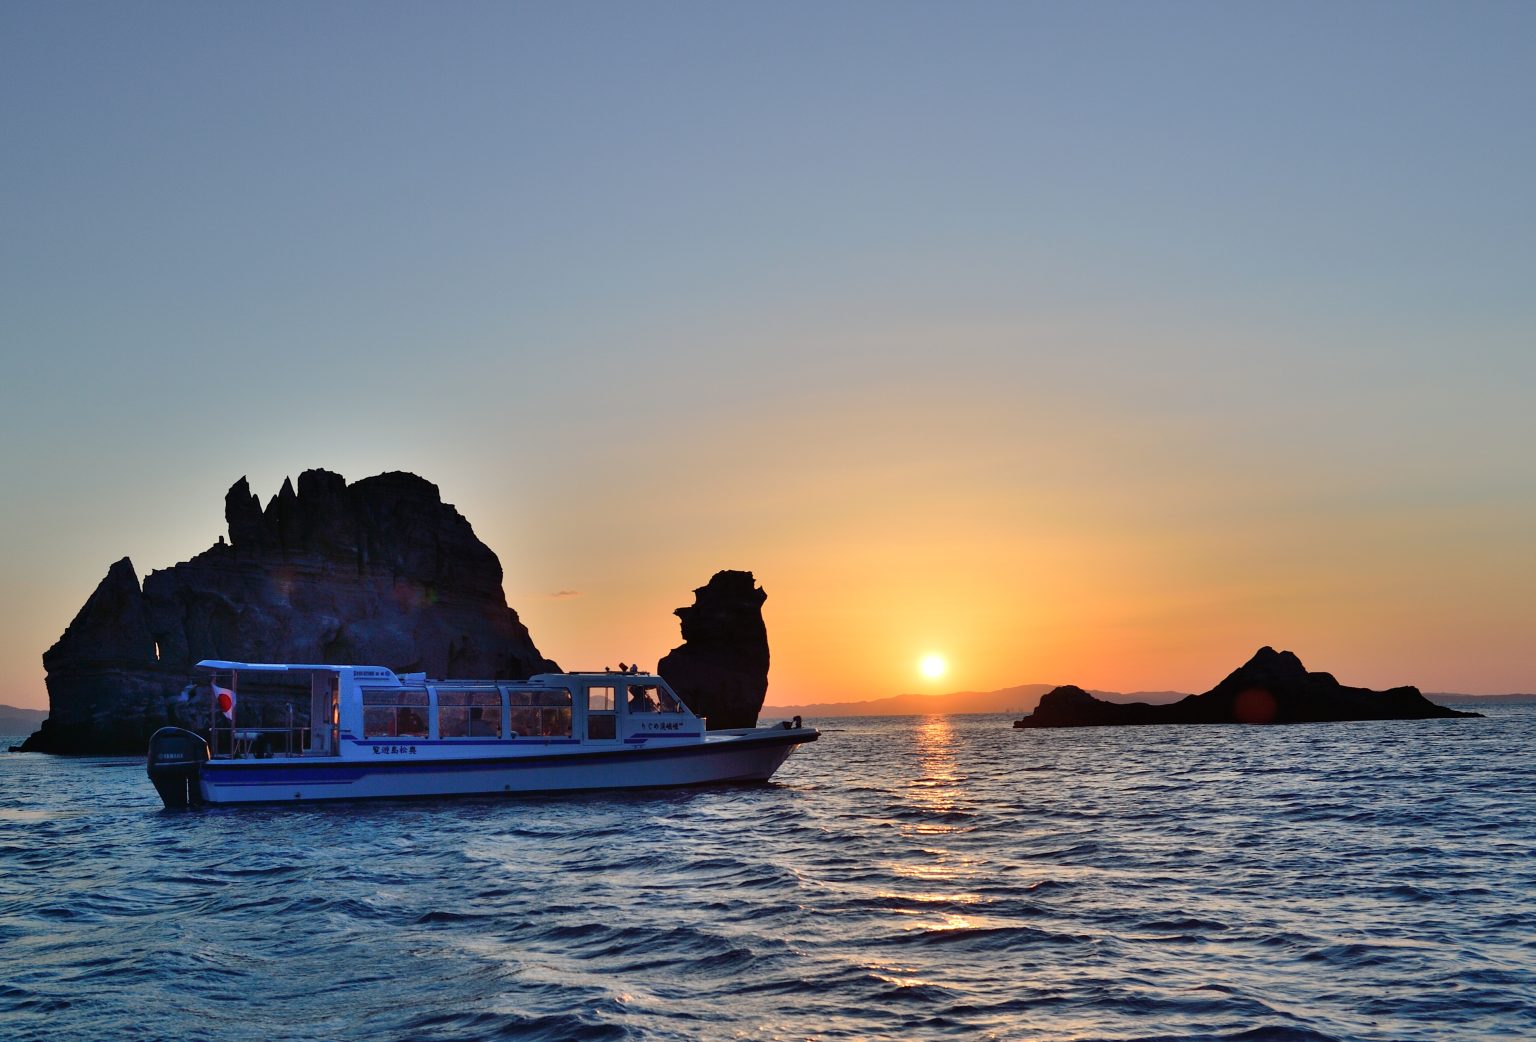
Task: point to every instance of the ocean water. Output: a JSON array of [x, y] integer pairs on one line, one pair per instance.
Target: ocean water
[[903, 878]]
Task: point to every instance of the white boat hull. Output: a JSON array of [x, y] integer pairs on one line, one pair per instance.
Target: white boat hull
[[374, 734], [749, 756]]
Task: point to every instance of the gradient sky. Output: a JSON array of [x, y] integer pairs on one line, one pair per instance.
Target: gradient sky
[[1091, 343]]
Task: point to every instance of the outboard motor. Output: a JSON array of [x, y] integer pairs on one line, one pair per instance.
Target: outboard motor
[[176, 757]]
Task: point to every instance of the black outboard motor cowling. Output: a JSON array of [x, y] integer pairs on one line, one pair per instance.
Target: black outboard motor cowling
[[176, 757]]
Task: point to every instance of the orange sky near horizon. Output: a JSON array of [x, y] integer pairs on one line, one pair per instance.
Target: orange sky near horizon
[[1134, 548], [1009, 592]]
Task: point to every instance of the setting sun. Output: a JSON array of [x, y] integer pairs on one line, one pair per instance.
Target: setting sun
[[932, 666]]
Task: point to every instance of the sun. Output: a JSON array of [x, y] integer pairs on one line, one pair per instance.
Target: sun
[[932, 666]]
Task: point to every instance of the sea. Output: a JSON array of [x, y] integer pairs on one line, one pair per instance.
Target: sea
[[902, 878]]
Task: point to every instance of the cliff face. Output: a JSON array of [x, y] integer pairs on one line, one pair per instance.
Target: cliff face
[[1271, 688], [381, 572], [721, 669]]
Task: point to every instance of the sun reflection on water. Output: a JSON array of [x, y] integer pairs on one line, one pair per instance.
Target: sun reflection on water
[[937, 788], [938, 811]]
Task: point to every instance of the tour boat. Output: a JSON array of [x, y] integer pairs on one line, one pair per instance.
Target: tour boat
[[377, 734]]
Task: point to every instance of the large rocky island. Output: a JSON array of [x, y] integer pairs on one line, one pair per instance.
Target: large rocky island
[[378, 572], [1273, 687]]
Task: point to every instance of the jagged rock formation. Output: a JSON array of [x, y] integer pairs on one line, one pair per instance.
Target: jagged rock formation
[[721, 669], [1271, 688], [381, 571]]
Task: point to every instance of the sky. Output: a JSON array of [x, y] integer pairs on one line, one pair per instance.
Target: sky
[[1094, 343]]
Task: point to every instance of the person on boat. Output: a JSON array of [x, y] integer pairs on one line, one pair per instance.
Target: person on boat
[[479, 727], [640, 700], [411, 723]]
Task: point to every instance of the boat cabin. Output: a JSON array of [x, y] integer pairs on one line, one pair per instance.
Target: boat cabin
[[372, 711]]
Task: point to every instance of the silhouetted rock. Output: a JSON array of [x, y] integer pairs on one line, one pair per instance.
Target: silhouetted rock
[[1273, 687], [721, 670], [379, 572]]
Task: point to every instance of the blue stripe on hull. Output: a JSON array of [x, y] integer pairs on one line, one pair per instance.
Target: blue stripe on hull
[[753, 759]]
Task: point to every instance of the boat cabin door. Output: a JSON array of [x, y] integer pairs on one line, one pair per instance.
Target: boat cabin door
[[324, 712], [602, 714]]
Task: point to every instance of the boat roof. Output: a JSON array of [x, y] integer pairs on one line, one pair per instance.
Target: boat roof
[[383, 673], [276, 667]]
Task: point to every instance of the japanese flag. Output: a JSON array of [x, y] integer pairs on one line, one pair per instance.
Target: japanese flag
[[224, 698]]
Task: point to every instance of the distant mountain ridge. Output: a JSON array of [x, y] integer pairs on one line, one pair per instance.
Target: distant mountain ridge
[[1018, 699], [1512, 699], [1023, 698], [16, 720]]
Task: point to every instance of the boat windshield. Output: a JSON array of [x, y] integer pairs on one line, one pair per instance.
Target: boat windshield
[[652, 698]]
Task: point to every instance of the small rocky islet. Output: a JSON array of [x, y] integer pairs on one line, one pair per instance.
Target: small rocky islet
[[1273, 687]]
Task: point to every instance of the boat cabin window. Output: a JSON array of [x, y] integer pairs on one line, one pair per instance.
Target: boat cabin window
[[540, 714], [468, 713], [652, 698], [394, 713]]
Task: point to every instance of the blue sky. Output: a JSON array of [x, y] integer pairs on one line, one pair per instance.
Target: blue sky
[[1206, 325]]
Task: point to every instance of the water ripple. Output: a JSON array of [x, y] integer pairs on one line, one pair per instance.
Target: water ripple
[[903, 878]]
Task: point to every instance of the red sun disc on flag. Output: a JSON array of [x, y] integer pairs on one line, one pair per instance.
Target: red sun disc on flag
[[225, 702]]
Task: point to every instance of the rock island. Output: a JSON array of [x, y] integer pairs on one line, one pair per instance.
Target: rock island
[[1273, 687]]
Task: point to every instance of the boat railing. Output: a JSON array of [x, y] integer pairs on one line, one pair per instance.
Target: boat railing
[[238, 743]]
